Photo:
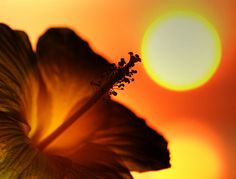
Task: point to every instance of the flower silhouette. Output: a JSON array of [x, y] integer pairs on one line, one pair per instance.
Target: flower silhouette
[[53, 123]]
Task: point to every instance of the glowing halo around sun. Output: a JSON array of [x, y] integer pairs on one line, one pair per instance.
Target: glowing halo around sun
[[181, 51]]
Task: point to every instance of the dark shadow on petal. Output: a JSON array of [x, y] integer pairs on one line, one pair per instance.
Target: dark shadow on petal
[[68, 63], [16, 63], [68, 66], [97, 161], [140, 147], [61, 51]]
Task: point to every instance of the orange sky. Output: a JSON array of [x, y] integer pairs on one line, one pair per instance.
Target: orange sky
[[115, 27]]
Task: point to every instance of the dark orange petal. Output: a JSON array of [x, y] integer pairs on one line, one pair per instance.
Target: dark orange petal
[[67, 66], [19, 93], [116, 128], [140, 147], [98, 161], [16, 64], [17, 156], [19, 159]]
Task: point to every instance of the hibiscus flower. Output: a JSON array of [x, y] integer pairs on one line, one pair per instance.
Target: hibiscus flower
[[54, 122]]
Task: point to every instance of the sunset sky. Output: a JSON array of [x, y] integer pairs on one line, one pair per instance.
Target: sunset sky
[[199, 123]]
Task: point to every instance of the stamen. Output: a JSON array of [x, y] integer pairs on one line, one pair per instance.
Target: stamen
[[120, 74]]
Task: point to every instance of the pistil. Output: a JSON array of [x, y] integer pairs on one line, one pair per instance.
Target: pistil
[[119, 75]]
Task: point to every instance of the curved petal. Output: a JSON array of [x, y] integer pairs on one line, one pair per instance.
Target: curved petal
[[139, 146], [100, 162], [16, 62], [67, 66], [18, 157]]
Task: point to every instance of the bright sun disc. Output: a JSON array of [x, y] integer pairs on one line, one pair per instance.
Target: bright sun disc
[[181, 51]]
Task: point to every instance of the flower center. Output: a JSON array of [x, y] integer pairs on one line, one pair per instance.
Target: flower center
[[120, 74]]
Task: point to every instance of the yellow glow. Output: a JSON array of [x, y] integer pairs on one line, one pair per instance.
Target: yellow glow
[[181, 51], [196, 152], [190, 158]]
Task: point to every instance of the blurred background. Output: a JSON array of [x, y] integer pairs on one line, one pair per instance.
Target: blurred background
[[198, 123]]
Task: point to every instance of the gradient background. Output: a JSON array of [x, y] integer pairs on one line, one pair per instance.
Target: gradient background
[[205, 115]]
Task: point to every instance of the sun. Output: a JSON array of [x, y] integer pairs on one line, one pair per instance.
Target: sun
[[181, 51]]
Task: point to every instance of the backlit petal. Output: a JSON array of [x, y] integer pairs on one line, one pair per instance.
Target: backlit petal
[[16, 64], [68, 66], [62, 53], [100, 162], [139, 146], [19, 93]]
